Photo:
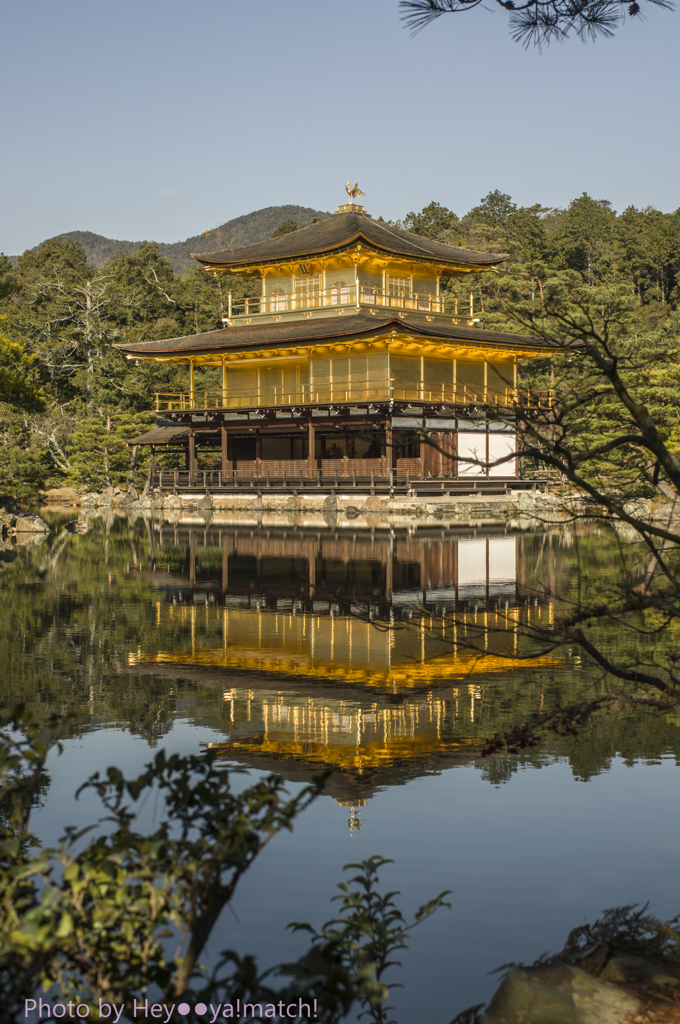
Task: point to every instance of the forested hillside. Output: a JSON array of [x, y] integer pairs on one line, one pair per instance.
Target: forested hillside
[[68, 399], [251, 227]]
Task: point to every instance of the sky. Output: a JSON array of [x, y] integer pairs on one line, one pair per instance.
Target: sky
[[159, 119]]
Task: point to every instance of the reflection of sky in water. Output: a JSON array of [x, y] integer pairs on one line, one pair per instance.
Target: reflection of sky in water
[[527, 861], [269, 644]]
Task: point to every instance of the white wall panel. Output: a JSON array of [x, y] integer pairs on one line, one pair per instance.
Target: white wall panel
[[500, 445]]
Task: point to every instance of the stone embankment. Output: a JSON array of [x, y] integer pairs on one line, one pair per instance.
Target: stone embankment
[[482, 510], [522, 509], [15, 523]]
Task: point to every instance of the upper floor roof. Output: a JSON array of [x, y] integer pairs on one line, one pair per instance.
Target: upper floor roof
[[269, 337], [343, 231]]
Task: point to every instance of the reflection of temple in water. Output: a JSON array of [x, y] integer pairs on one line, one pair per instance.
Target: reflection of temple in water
[[360, 654]]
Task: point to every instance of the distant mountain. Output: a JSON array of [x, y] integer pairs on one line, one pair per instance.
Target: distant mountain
[[251, 227]]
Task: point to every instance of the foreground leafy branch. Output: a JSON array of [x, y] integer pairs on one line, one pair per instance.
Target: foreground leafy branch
[[92, 919]]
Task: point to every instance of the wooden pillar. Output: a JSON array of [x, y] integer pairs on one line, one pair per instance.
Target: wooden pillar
[[192, 450], [448, 444], [258, 453], [223, 443], [191, 383], [311, 444], [389, 452], [152, 469]]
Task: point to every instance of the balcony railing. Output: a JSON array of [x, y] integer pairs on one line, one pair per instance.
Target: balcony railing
[[377, 473], [342, 393], [351, 295]]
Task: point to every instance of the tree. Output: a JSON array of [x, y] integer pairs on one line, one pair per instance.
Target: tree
[[432, 221], [286, 227], [100, 456], [8, 280], [612, 435], [586, 239], [18, 384], [494, 209], [537, 21]]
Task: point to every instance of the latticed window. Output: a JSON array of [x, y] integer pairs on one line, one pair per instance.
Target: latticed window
[[369, 293], [241, 388], [307, 290], [339, 293], [398, 288], [278, 300]]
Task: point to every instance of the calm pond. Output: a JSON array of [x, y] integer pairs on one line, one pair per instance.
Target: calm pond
[[296, 650]]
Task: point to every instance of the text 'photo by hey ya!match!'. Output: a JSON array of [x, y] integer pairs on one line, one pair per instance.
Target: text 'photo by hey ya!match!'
[[38, 1009]]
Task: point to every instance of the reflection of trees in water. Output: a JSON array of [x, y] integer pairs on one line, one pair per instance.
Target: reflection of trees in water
[[84, 605]]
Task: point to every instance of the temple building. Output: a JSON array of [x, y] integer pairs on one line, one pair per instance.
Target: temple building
[[350, 366]]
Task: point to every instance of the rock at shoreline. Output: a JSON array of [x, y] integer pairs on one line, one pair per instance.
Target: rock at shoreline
[[635, 970], [13, 521], [558, 994], [30, 523]]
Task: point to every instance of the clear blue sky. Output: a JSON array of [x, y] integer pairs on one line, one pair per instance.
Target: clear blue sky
[[163, 118]]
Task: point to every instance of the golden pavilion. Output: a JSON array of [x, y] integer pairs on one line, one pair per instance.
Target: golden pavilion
[[349, 366]]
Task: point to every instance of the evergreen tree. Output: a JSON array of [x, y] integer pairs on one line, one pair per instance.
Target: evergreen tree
[[286, 227], [432, 221]]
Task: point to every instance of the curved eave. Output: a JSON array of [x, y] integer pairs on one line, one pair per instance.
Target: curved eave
[[252, 266], [231, 341]]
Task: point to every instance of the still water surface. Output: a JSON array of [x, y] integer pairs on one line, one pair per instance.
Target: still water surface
[[297, 650]]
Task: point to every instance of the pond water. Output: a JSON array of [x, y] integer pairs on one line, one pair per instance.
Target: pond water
[[296, 649]]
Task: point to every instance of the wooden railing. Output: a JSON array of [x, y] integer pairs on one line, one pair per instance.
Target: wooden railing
[[349, 295], [262, 473], [346, 473], [342, 393]]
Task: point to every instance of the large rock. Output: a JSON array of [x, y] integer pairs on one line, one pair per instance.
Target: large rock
[[30, 523], [131, 498], [375, 504], [13, 520], [558, 994], [635, 970]]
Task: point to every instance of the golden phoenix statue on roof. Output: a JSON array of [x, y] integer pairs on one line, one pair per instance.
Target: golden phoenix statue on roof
[[353, 191]]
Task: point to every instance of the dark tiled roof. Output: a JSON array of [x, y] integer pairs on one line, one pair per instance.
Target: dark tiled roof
[[162, 435], [341, 231], [288, 332]]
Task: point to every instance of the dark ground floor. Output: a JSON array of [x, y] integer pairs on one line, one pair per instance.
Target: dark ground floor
[[392, 454]]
